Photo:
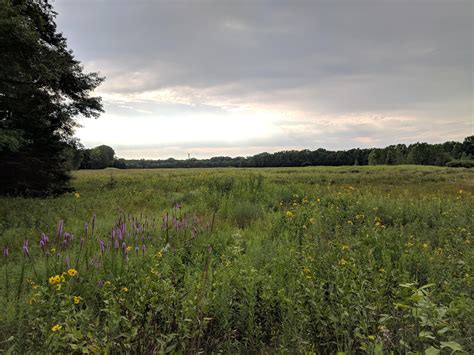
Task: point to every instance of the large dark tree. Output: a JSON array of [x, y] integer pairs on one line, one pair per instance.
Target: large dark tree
[[42, 89]]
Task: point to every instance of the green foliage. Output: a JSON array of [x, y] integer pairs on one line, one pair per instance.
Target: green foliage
[[42, 88], [307, 260]]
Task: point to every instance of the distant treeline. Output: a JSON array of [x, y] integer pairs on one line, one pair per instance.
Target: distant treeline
[[456, 154]]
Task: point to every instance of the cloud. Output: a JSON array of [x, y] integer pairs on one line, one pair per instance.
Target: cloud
[[344, 63]]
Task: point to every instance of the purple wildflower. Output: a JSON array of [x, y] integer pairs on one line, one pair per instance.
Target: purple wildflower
[[143, 248], [102, 246], [5, 252], [26, 251]]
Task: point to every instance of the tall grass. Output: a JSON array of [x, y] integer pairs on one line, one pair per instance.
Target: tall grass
[[318, 260]]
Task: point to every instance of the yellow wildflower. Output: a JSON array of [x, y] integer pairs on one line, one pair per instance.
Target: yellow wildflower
[[345, 247], [129, 248], [371, 337], [77, 299], [159, 254], [77, 194], [107, 283], [342, 262], [58, 287], [56, 328], [311, 220], [425, 245], [350, 222], [53, 250], [318, 200], [53, 280], [124, 289], [289, 214], [72, 272]]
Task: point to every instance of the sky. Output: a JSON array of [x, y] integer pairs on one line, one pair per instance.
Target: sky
[[237, 78]]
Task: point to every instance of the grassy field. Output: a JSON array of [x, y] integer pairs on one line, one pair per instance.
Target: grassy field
[[325, 260]]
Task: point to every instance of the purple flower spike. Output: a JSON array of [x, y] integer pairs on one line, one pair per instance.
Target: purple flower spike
[[143, 248], [26, 251], [5, 252], [102, 246], [67, 262], [116, 244], [86, 227]]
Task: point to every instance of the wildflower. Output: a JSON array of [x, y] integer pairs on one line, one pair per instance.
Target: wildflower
[[124, 289], [409, 244], [5, 252], [382, 270], [306, 270], [129, 248], [72, 272], [26, 251], [345, 247], [58, 287], [289, 214], [56, 328], [311, 220], [425, 245], [77, 194], [342, 262], [158, 254], [371, 337], [53, 280], [53, 250], [318, 200], [102, 246], [77, 299], [350, 222]]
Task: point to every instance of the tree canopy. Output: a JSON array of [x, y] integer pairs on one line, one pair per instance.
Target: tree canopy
[[42, 89]]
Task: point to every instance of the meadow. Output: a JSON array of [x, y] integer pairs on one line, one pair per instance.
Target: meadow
[[323, 260]]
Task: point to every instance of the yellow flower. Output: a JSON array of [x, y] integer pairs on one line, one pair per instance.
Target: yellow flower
[[306, 270], [371, 337], [129, 248], [342, 262], [53, 280], [425, 246], [53, 250], [311, 220], [318, 200], [56, 328], [77, 299], [159, 254], [77, 194], [345, 247], [350, 222], [289, 214], [107, 283], [381, 269], [72, 272], [58, 287], [124, 289]]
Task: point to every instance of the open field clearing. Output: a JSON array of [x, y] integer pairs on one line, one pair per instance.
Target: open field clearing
[[318, 260]]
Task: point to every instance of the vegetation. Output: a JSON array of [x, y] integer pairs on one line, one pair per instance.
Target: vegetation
[[418, 154], [352, 259], [42, 89]]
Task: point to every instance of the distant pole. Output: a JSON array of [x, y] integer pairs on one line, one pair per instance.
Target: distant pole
[[189, 156]]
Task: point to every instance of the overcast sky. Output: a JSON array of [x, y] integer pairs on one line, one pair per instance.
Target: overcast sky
[[242, 77]]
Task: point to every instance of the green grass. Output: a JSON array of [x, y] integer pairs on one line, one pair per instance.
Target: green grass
[[321, 260]]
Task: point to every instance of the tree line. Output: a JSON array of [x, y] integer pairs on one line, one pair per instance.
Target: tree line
[[456, 154]]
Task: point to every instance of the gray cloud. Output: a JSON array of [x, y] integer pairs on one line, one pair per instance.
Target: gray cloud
[[315, 57]]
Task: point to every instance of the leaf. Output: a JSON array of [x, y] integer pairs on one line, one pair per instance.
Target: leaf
[[452, 345], [427, 335], [432, 351]]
